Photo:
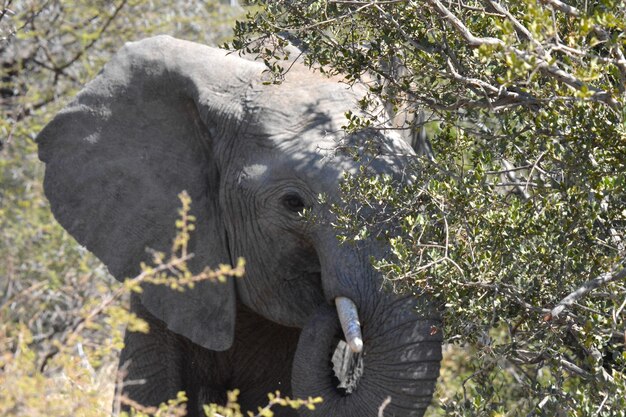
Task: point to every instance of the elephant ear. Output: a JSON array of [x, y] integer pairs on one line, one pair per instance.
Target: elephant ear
[[148, 127]]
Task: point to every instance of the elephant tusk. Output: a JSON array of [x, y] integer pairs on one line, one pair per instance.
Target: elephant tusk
[[349, 318]]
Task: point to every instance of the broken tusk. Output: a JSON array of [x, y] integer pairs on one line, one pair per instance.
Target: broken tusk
[[349, 318]]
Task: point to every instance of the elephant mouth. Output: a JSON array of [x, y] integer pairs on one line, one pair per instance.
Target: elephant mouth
[[347, 367]]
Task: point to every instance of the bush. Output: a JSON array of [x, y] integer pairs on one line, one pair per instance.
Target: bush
[[515, 223]]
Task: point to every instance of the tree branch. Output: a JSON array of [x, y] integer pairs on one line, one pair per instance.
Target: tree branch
[[521, 29], [543, 65], [462, 29], [5, 9], [562, 7], [103, 29], [584, 289], [422, 45]]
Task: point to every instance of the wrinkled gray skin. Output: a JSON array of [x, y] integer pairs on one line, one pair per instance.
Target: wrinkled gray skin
[[167, 115]]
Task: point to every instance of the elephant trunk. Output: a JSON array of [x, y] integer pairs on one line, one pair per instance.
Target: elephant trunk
[[394, 364]]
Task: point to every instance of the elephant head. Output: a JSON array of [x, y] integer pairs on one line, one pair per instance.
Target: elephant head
[[167, 115]]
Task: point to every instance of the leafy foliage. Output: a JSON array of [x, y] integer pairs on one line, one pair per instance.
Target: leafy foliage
[[516, 220]]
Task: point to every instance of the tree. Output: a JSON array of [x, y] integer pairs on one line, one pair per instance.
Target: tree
[[516, 224]]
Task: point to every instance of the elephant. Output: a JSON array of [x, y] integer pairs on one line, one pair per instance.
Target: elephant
[[310, 317]]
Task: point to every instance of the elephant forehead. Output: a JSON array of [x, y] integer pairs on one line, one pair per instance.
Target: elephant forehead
[[322, 159], [313, 168], [320, 168], [297, 128], [313, 115], [284, 111]]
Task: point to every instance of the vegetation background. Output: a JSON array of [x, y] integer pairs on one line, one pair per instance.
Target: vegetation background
[[61, 315], [516, 226]]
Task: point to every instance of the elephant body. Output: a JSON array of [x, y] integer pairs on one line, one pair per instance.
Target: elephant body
[[167, 115], [258, 362]]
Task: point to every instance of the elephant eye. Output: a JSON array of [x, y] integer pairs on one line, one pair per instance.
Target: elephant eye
[[293, 202]]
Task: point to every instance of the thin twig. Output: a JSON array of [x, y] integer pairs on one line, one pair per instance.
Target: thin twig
[[72, 334], [103, 29], [521, 29], [420, 46], [606, 397], [5, 10], [574, 369], [504, 171], [511, 175]]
